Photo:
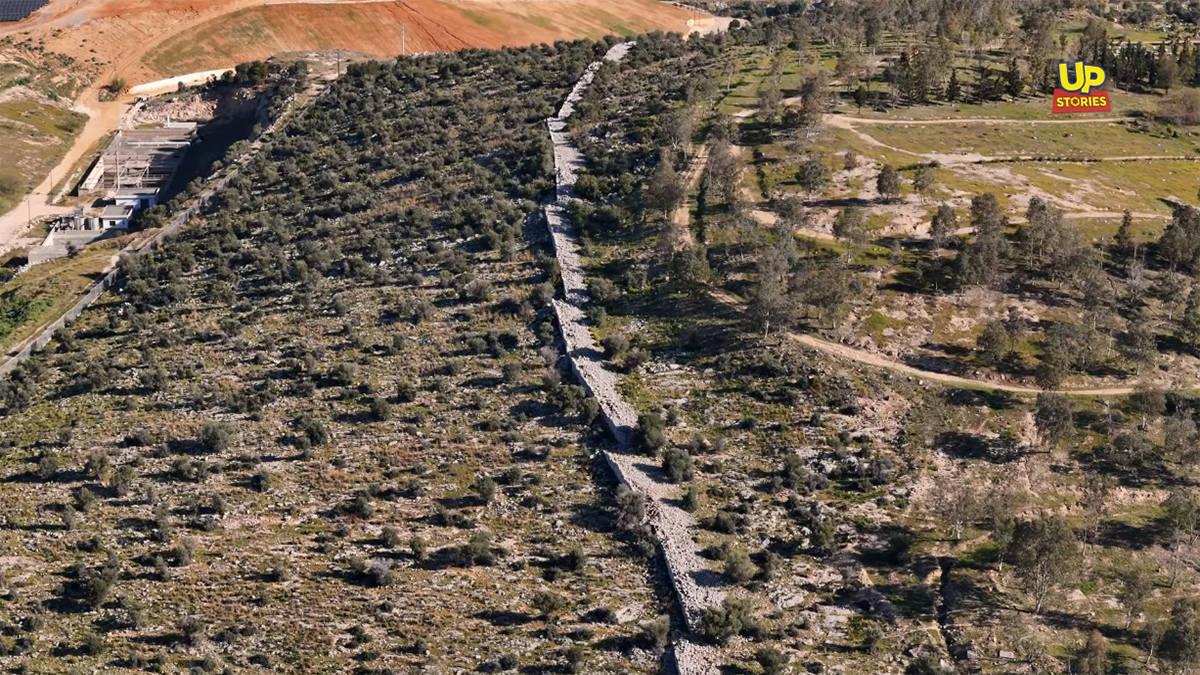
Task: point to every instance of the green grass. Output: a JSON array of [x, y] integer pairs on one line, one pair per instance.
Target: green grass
[[1082, 141], [1115, 186], [46, 291], [478, 18], [1035, 107], [33, 138], [876, 324]]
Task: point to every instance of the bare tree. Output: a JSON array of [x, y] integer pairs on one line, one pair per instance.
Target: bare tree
[[956, 503], [1136, 585]]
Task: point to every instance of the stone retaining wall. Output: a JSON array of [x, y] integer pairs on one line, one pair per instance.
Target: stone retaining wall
[[697, 587]]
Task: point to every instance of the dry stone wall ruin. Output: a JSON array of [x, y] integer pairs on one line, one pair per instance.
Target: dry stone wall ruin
[[696, 586]]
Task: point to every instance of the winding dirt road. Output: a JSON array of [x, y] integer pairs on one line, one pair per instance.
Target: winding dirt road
[[879, 361]]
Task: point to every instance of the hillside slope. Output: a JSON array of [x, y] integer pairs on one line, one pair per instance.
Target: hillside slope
[[357, 456], [375, 28], [146, 40]]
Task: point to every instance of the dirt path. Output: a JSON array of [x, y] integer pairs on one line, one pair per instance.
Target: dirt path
[[876, 360], [682, 218], [879, 361], [101, 120], [103, 117]]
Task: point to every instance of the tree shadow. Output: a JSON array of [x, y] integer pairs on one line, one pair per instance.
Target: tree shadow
[[974, 398], [505, 618], [974, 446]]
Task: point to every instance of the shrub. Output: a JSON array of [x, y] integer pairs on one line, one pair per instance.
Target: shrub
[[262, 480], [574, 560], [48, 465], [631, 508], [512, 371], [342, 374], [93, 644], [192, 630], [97, 465], [361, 506], [726, 522], [185, 553], [419, 548], [379, 572], [615, 344], [604, 615], [575, 655], [771, 660], [313, 430], [732, 618], [677, 464], [380, 409], [542, 295], [772, 565], [485, 488], [651, 432], [281, 569], [478, 290], [656, 633], [635, 358], [872, 635], [406, 392], [603, 291], [215, 437], [589, 409], [478, 550], [738, 566], [691, 498], [548, 603], [390, 537]]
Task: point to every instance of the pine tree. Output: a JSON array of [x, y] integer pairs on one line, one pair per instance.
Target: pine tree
[[1012, 78], [860, 96], [943, 225], [953, 88], [1124, 238], [888, 182], [1186, 64]]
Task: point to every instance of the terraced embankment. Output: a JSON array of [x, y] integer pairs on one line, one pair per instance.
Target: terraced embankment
[[696, 586]]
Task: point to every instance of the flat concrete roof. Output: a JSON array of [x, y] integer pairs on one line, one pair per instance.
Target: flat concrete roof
[[116, 211]]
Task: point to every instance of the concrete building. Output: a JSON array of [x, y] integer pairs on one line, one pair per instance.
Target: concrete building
[[132, 173], [138, 198], [140, 159], [116, 215]]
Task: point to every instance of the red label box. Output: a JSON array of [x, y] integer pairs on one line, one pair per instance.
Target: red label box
[[1097, 100]]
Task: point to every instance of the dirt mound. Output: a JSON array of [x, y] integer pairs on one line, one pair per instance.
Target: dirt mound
[[375, 28]]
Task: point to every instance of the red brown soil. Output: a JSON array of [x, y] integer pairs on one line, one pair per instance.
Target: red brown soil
[[146, 40]]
